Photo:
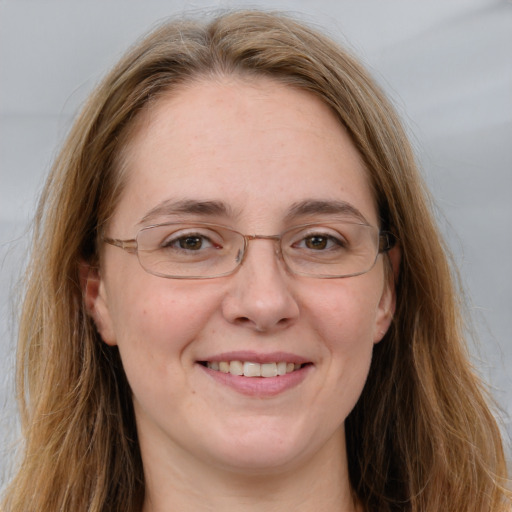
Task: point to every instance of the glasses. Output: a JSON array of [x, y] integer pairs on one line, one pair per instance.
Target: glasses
[[179, 250]]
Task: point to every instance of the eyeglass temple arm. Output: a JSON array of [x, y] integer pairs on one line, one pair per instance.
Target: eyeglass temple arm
[[126, 245], [387, 241]]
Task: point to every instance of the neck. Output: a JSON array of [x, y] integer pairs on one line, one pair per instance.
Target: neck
[[319, 483]]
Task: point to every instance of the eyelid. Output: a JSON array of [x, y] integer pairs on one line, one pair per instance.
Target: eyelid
[[205, 233], [192, 230], [315, 229], [332, 236], [186, 225]]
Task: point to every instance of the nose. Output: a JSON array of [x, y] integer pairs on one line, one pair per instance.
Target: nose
[[259, 296]]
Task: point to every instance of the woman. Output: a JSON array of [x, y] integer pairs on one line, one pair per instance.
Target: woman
[[238, 298]]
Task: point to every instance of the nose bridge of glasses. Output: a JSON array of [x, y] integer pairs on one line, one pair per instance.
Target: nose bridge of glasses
[[275, 238]]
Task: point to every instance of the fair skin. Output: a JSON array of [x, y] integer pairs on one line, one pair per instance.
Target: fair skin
[[209, 443]]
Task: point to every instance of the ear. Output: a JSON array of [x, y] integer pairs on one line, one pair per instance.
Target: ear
[[387, 303], [96, 303]]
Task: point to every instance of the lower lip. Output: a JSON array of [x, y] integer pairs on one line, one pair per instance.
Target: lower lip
[[260, 386]]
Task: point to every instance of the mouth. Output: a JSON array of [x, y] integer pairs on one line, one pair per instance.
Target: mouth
[[256, 374], [254, 369]]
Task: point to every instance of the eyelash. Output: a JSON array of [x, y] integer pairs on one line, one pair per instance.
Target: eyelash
[[335, 239], [331, 242], [171, 242]]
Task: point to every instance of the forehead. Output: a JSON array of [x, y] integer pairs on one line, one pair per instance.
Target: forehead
[[259, 147]]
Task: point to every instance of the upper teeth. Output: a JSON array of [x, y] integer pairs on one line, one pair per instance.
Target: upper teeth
[[250, 369]]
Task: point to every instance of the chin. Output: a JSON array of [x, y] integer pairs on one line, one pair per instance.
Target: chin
[[259, 462], [263, 449]]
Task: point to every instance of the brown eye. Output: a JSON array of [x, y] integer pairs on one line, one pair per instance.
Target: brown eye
[[316, 242], [191, 243], [188, 242], [320, 240]]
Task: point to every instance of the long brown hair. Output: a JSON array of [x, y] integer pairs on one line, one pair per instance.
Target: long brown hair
[[421, 438]]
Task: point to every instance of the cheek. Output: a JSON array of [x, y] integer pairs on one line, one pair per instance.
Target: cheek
[[156, 320], [346, 312], [156, 323], [344, 315]]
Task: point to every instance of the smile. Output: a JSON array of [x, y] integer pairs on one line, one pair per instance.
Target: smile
[[252, 369]]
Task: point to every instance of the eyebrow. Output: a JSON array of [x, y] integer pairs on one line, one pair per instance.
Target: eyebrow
[[218, 208], [315, 207], [186, 206]]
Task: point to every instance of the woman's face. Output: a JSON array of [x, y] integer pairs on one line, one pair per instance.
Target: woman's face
[[261, 153]]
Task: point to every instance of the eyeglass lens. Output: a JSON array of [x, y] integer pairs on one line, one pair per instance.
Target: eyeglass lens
[[337, 249]]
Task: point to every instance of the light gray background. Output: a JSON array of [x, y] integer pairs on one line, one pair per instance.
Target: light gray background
[[445, 63]]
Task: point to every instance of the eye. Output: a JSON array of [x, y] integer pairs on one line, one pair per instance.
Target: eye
[[320, 242], [193, 241]]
